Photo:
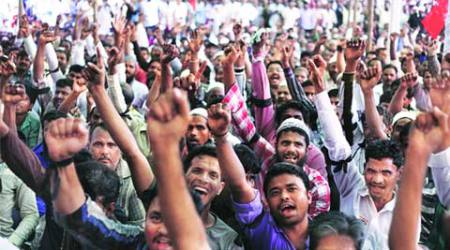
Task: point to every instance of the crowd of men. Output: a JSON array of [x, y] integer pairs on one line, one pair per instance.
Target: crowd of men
[[276, 125]]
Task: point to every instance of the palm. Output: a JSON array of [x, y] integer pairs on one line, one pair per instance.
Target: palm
[[368, 84], [175, 128]]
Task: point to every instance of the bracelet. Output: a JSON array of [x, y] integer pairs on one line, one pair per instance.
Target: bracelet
[[63, 163]]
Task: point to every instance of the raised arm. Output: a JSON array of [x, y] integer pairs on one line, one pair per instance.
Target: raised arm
[[407, 81], [19, 158], [429, 135], [38, 65], [167, 123], [369, 79], [170, 52], [219, 119], [139, 166]]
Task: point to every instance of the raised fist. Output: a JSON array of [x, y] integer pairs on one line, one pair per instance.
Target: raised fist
[[354, 50], [170, 52], [95, 73], [369, 78], [219, 119], [409, 80], [65, 137], [13, 94], [168, 117], [317, 68]]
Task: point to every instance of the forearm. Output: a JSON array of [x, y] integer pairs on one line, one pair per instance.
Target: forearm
[[52, 61], [30, 46], [396, 104], [228, 76], [68, 195], [9, 117], [233, 171], [409, 200], [23, 162], [69, 102], [141, 171], [154, 92], [77, 53], [433, 65], [38, 65], [141, 61], [184, 225], [340, 62], [410, 66], [115, 93], [264, 115], [373, 120]]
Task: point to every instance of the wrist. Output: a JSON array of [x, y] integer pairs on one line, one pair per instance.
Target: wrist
[[61, 162], [350, 66]]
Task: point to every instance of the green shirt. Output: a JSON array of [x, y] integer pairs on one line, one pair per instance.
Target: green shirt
[[15, 194], [30, 129]]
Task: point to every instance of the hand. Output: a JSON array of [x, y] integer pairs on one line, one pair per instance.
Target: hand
[[46, 37], [7, 68], [440, 92], [65, 138], [317, 68], [188, 83], [232, 54], [287, 54], [261, 45], [95, 74], [322, 40], [240, 62], [369, 78], [168, 118], [170, 52], [409, 80], [219, 119], [132, 30], [354, 50], [432, 48], [237, 31], [196, 42], [115, 56], [13, 94], [24, 26], [430, 132], [118, 24]]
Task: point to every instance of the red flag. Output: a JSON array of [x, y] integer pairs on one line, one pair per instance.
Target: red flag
[[434, 22], [193, 3]]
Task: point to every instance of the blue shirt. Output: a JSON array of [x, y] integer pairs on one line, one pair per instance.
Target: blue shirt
[[260, 227]]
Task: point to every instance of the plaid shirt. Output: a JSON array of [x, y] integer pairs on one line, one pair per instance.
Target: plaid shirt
[[264, 150]]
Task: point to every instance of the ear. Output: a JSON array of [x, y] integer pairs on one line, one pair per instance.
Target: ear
[[222, 186], [309, 195], [399, 173]]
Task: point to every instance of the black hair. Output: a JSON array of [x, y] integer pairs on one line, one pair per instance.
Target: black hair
[[307, 83], [149, 196], [306, 54], [390, 66], [336, 223], [380, 149], [248, 159], [333, 93], [209, 150], [52, 115], [274, 62], [99, 180], [94, 126], [281, 168], [64, 82], [76, 68], [291, 104]]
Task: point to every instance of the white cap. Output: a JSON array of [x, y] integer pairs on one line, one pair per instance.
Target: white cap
[[293, 123]]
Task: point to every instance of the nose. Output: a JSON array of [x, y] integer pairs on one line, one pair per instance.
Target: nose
[[284, 195], [377, 179]]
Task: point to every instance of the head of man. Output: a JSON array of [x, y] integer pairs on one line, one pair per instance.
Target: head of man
[[310, 90], [62, 57], [23, 62], [275, 74], [291, 109], [282, 94], [384, 161], [304, 57], [332, 71], [292, 142], [198, 131], [333, 94], [103, 148], [101, 184], [389, 74], [76, 75], [156, 235], [335, 230], [203, 173], [286, 188], [63, 89], [401, 120], [130, 69], [153, 69], [301, 74], [145, 54]]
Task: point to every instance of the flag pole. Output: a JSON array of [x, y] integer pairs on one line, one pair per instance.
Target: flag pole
[[370, 37]]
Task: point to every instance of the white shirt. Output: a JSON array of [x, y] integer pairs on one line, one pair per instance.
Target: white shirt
[[152, 12], [440, 168]]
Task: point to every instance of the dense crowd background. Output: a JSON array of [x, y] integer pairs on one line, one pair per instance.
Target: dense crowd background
[[152, 124]]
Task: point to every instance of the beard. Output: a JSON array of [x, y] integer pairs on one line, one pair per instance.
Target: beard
[[300, 163]]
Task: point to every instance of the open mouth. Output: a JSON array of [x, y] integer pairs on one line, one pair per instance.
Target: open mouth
[[287, 209], [200, 190], [290, 158], [163, 242], [275, 77]]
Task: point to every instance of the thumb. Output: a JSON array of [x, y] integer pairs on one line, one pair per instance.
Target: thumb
[[181, 103], [99, 58]]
